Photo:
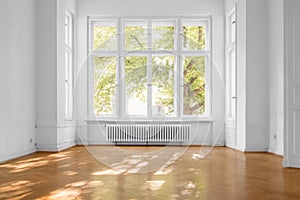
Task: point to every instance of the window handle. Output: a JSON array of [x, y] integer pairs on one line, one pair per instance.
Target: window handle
[[233, 97]]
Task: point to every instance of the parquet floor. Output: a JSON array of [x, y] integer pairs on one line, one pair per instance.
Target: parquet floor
[[146, 173]]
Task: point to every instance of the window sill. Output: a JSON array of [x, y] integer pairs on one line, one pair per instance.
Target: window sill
[[146, 121]]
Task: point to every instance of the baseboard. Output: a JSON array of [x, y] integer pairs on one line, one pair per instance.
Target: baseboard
[[98, 142], [291, 163], [277, 153], [235, 148], [66, 145], [247, 149], [231, 146], [219, 144], [17, 155], [201, 143], [81, 142], [55, 147], [47, 148]]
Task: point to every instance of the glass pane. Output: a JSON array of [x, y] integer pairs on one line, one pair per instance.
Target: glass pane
[[232, 28], [233, 83], [135, 36], [69, 83], [104, 85], [163, 35], [104, 36], [136, 85], [163, 86], [194, 85], [66, 30], [67, 87], [193, 36]]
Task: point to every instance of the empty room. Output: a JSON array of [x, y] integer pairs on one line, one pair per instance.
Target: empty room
[[136, 99]]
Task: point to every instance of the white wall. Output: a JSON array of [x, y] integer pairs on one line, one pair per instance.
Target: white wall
[[46, 74], [54, 133], [257, 76], [154, 8], [276, 72], [17, 78], [252, 74]]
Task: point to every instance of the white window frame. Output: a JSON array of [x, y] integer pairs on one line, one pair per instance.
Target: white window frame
[[69, 64], [230, 49], [178, 53]]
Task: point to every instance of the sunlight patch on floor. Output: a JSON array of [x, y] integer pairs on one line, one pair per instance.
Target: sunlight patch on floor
[[72, 190], [70, 173], [23, 166], [155, 185], [107, 172], [167, 168], [16, 189]]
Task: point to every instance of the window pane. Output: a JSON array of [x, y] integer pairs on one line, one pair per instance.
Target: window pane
[[193, 36], [233, 83], [194, 85], [66, 30], [135, 36], [163, 35], [136, 85], [104, 85], [232, 28], [104, 36], [163, 86], [67, 84]]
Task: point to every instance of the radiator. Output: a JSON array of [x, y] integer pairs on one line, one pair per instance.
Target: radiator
[[148, 133]]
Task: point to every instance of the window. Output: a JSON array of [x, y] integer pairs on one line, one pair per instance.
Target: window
[[231, 67], [149, 67], [68, 65]]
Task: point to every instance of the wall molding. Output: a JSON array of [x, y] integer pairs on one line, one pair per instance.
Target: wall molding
[[55, 147], [17, 155]]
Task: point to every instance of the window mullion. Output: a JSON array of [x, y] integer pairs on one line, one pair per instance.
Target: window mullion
[[149, 69], [118, 71], [179, 90]]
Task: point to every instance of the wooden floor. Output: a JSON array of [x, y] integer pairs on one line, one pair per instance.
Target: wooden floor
[[117, 173]]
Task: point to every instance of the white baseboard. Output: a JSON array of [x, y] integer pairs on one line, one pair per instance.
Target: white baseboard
[[55, 147], [275, 152], [231, 145], [201, 143], [16, 155], [98, 142], [219, 144], [81, 142], [293, 163], [47, 147], [66, 145], [249, 149]]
